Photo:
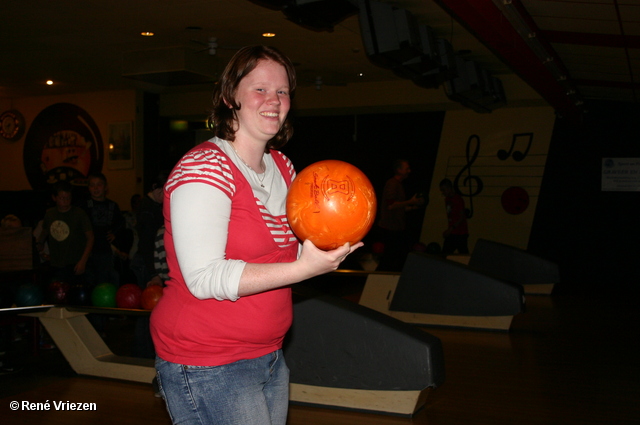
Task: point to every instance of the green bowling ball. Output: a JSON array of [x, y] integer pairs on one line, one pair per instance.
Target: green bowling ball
[[104, 295]]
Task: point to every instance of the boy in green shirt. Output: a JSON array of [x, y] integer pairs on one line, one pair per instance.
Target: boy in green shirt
[[68, 231]]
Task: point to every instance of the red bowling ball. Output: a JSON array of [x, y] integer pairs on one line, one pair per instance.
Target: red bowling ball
[[129, 296], [331, 202], [57, 292]]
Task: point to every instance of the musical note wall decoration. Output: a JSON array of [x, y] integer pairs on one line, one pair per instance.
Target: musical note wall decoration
[[473, 184], [518, 155], [486, 178], [511, 220]]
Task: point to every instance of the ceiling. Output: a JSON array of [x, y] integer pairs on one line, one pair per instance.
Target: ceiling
[[568, 51]]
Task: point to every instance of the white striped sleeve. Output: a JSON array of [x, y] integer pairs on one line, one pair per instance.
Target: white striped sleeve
[[200, 218], [203, 166]]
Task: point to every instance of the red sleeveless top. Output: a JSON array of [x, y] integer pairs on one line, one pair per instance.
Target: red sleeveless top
[[187, 330]]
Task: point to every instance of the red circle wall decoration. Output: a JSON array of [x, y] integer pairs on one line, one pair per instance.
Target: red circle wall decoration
[[515, 200]]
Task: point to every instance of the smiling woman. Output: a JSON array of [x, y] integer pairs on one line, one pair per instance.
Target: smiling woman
[[263, 104], [220, 324], [224, 116]]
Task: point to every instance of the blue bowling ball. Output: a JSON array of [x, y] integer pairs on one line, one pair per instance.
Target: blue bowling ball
[[28, 294], [79, 295]]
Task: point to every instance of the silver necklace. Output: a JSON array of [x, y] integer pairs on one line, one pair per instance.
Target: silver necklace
[[264, 166]]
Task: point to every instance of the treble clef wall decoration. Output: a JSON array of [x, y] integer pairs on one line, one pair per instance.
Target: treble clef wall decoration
[[472, 184]]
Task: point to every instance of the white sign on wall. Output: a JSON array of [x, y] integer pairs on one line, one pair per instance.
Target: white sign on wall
[[621, 174]]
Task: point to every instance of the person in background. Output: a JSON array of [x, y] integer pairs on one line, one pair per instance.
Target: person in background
[[219, 327], [456, 234], [107, 222], [149, 219], [391, 223], [69, 235], [160, 261], [130, 220], [126, 243]]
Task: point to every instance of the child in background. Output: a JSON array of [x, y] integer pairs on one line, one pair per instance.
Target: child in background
[[68, 232], [107, 222]]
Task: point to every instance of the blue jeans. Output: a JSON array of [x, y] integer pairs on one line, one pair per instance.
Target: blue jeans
[[246, 392]]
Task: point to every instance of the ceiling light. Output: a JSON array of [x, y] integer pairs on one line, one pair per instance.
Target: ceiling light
[[49, 82], [268, 34], [146, 34]]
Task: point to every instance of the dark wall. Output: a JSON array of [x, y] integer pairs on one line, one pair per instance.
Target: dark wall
[[28, 205], [593, 235], [157, 141]]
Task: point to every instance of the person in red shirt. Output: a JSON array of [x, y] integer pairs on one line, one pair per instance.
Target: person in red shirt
[[457, 233]]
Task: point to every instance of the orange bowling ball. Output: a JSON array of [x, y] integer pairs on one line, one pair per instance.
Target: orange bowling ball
[[331, 202], [150, 296]]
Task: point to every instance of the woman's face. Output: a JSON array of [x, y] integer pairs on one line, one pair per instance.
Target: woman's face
[[263, 97]]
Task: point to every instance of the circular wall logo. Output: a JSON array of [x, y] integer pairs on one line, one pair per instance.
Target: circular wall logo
[[63, 143]]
